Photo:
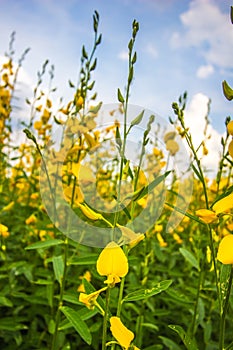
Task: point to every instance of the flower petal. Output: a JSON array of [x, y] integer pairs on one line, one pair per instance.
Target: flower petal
[[206, 215], [225, 250], [223, 204], [122, 334], [112, 261]]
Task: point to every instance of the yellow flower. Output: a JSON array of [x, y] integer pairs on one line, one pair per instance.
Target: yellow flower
[[76, 195], [206, 215], [162, 243], [230, 127], [87, 276], [223, 204], [38, 125], [158, 228], [172, 146], [113, 263], [122, 334], [170, 135], [31, 220], [177, 238], [90, 299], [225, 250], [230, 148], [4, 231]]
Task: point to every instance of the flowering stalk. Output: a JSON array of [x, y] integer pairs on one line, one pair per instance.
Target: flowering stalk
[[179, 111], [124, 101]]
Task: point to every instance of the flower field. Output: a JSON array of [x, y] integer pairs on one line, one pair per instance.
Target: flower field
[[113, 236]]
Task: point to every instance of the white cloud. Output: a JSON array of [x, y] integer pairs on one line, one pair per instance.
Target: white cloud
[[207, 29], [151, 50], [123, 55], [195, 118], [205, 71]]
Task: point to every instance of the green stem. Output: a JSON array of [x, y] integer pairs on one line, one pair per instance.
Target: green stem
[[215, 267], [224, 312], [122, 284], [60, 303], [192, 329], [104, 334]]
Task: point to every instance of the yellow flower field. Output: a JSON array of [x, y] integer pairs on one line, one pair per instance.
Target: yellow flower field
[[112, 234]]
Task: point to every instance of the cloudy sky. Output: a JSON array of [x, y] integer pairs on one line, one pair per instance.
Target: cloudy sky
[[182, 46]]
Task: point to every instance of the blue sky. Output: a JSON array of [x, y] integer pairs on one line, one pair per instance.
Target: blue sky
[[182, 45]]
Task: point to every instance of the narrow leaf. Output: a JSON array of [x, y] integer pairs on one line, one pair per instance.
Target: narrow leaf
[[153, 184], [224, 281], [44, 244], [188, 342], [84, 260], [146, 293], [138, 119], [169, 343], [5, 301], [196, 172], [190, 258], [227, 90], [79, 325], [58, 267], [120, 96], [193, 217]]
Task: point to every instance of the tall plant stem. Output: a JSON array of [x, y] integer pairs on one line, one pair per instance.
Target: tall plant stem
[[192, 329], [104, 334], [60, 303], [224, 312]]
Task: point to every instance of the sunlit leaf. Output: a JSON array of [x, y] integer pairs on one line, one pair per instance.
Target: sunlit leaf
[[79, 325], [146, 293], [188, 342], [44, 244]]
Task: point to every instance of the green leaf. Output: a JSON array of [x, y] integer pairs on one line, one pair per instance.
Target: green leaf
[[84, 260], [118, 137], [227, 90], [10, 324], [5, 302], [58, 268], [190, 216], [134, 195], [153, 184], [152, 326], [95, 109], [197, 172], [188, 342], [178, 296], [224, 281], [79, 325], [84, 52], [120, 96], [137, 120], [232, 14], [146, 293], [44, 244], [190, 258], [43, 282], [169, 343], [154, 347]]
